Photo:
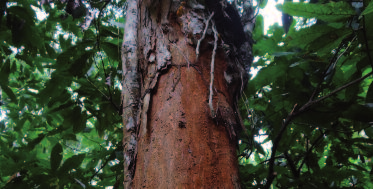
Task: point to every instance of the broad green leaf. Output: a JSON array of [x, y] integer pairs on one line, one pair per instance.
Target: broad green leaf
[[113, 51], [81, 65], [72, 163], [9, 92], [329, 12], [359, 113], [329, 41], [318, 37], [68, 104], [264, 46], [62, 98], [259, 148], [31, 145], [269, 74], [80, 120], [109, 32], [263, 3], [369, 97], [259, 28], [5, 71], [56, 156], [22, 12], [65, 43], [368, 9], [70, 136]]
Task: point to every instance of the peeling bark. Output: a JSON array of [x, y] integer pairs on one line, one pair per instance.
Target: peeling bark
[[131, 91], [170, 138]]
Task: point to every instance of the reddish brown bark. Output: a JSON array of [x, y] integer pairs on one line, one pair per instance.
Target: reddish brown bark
[[182, 147], [173, 138]]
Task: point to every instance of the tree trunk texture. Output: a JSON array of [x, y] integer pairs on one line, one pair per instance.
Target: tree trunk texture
[[172, 138]]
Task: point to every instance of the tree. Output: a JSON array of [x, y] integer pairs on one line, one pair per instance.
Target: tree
[[60, 91], [162, 64], [180, 114]]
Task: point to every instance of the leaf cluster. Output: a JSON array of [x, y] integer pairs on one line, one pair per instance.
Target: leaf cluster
[[60, 95], [309, 109]]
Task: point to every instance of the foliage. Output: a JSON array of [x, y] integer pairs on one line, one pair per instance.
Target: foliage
[[311, 101], [62, 128]]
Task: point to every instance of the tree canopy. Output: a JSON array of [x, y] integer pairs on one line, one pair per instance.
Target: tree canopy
[[311, 101]]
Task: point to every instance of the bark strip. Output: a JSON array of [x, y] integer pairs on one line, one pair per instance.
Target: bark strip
[[130, 90]]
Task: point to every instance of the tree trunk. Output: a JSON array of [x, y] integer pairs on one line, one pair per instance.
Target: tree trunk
[[173, 138]]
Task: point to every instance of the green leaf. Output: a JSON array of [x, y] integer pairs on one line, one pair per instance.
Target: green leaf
[[329, 12], [9, 92], [79, 121], [359, 113], [263, 3], [368, 9], [111, 50], [108, 32], [65, 44], [318, 37], [68, 104], [69, 136], [259, 28], [259, 148], [5, 71], [56, 156], [72, 163], [31, 145], [369, 97], [269, 74], [329, 41], [81, 65], [25, 13]]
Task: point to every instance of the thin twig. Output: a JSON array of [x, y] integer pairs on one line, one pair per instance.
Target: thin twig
[[271, 174], [310, 150], [308, 104], [102, 93], [291, 165], [111, 157], [293, 113], [334, 61]]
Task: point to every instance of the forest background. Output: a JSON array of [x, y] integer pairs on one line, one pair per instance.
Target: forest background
[[308, 111]]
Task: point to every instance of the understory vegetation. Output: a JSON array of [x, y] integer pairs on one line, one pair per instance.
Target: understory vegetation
[[308, 112]]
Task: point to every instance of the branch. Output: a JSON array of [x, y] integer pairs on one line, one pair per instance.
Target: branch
[[271, 174], [310, 150], [310, 103], [333, 62], [291, 165], [111, 157], [108, 98]]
